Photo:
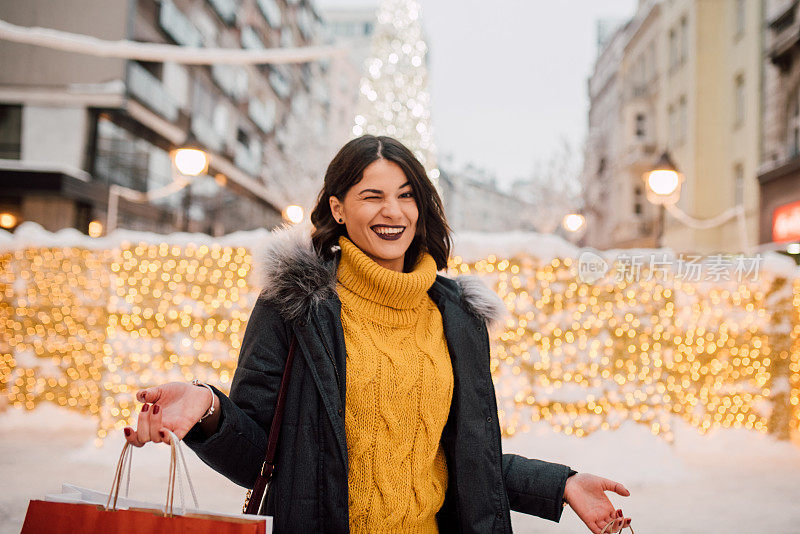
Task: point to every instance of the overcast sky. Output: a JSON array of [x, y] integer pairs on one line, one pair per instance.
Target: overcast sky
[[508, 77]]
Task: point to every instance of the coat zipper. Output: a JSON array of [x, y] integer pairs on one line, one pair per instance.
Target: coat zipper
[[330, 356]]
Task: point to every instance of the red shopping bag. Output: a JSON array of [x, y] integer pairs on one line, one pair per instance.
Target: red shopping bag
[[47, 517]]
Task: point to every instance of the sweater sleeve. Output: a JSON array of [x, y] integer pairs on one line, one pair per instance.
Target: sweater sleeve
[[237, 448], [535, 487]]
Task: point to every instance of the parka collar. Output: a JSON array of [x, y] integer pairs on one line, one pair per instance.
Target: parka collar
[[298, 280]]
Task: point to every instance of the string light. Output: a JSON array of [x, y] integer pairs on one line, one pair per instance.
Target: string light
[[586, 357], [86, 328], [394, 98]]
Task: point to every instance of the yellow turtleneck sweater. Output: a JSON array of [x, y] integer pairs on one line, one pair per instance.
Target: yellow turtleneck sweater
[[399, 388]]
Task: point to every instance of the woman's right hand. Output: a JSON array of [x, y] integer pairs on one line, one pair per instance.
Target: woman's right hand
[[175, 406]]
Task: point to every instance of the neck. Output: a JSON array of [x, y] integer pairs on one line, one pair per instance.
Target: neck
[[393, 265]]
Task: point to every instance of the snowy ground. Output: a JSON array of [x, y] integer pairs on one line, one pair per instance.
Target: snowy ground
[[729, 481]]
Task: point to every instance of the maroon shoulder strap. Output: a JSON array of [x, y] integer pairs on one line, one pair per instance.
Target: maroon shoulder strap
[[254, 503]]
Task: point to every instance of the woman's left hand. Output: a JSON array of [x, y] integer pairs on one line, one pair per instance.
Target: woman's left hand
[[585, 494]]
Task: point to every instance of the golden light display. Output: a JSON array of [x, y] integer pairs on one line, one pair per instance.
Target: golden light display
[[85, 329]]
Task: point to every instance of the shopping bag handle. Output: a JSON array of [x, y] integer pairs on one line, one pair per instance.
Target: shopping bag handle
[[610, 523], [176, 456]]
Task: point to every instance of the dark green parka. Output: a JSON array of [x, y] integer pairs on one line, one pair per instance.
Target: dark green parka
[[309, 489]]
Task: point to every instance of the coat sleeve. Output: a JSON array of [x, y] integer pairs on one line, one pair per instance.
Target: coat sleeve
[[535, 487], [237, 448]]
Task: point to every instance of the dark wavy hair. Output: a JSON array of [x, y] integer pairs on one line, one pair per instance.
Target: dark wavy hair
[[346, 170]]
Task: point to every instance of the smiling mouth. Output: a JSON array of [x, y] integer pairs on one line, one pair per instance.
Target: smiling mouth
[[388, 233]]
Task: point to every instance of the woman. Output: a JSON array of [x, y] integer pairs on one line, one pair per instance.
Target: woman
[[390, 422]]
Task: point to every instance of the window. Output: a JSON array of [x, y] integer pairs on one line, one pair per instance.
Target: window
[[673, 124], [242, 137], [740, 18], [673, 49], [640, 125], [10, 131], [682, 120], [738, 184], [684, 36], [125, 159], [739, 101], [651, 62], [637, 200], [155, 68], [793, 126]]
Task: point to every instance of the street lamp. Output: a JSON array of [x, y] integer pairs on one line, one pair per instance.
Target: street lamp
[[663, 188], [293, 214], [575, 224], [188, 162]]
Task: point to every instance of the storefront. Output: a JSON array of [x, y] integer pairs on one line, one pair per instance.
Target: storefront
[[779, 218]]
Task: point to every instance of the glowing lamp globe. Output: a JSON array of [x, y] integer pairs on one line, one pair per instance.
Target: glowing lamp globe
[[573, 222], [191, 161], [8, 220], [293, 214], [663, 182]]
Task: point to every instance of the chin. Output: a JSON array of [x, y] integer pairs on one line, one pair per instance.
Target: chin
[[389, 251]]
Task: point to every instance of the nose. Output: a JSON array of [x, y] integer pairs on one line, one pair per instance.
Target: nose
[[391, 209]]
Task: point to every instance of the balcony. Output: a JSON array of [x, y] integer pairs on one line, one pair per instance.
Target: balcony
[[226, 9], [205, 133], [251, 40], [271, 12], [263, 114], [639, 152], [248, 159], [151, 92], [178, 26], [232, 79], [784, 37]]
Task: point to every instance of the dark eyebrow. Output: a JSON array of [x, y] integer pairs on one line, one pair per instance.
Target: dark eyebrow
[[378, 191]]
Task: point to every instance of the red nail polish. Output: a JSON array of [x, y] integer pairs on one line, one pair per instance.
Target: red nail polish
[[156, 407], [144, 408], [127, 432]]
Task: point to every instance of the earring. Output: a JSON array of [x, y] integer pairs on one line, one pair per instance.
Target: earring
[[341, 220]]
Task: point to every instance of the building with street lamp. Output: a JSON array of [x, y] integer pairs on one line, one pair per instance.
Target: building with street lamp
[[72, 125], [681, 76], [779, 172]]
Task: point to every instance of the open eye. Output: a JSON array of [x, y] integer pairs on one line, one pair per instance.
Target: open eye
[[407, 194]]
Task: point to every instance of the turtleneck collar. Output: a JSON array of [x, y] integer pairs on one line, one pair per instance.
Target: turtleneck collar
[[382, 287]]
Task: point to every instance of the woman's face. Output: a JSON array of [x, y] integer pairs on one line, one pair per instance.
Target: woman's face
[[380, 213]]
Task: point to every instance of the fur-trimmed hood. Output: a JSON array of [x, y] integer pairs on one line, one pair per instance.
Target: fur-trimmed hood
[[292, 275]]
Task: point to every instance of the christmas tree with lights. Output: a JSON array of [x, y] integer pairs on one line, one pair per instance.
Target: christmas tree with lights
[[394, 98]]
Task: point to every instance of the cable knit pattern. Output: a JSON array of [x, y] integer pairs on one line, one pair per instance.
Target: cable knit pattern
[[399, 388]]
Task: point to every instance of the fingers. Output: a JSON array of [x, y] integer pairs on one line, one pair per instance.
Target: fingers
[[613, 522], [143, 427], [616, 487], [149, 395], [155, 423], [132, 437]]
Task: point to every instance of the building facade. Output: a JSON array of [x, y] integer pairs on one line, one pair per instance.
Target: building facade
[[474, 203], [72, 125], [779, 172], [688, 80], [352, 28]]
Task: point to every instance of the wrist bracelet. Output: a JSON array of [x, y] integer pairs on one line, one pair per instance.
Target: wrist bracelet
[[210, 410]]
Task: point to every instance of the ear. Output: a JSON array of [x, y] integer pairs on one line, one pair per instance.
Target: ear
[[337, 210]]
